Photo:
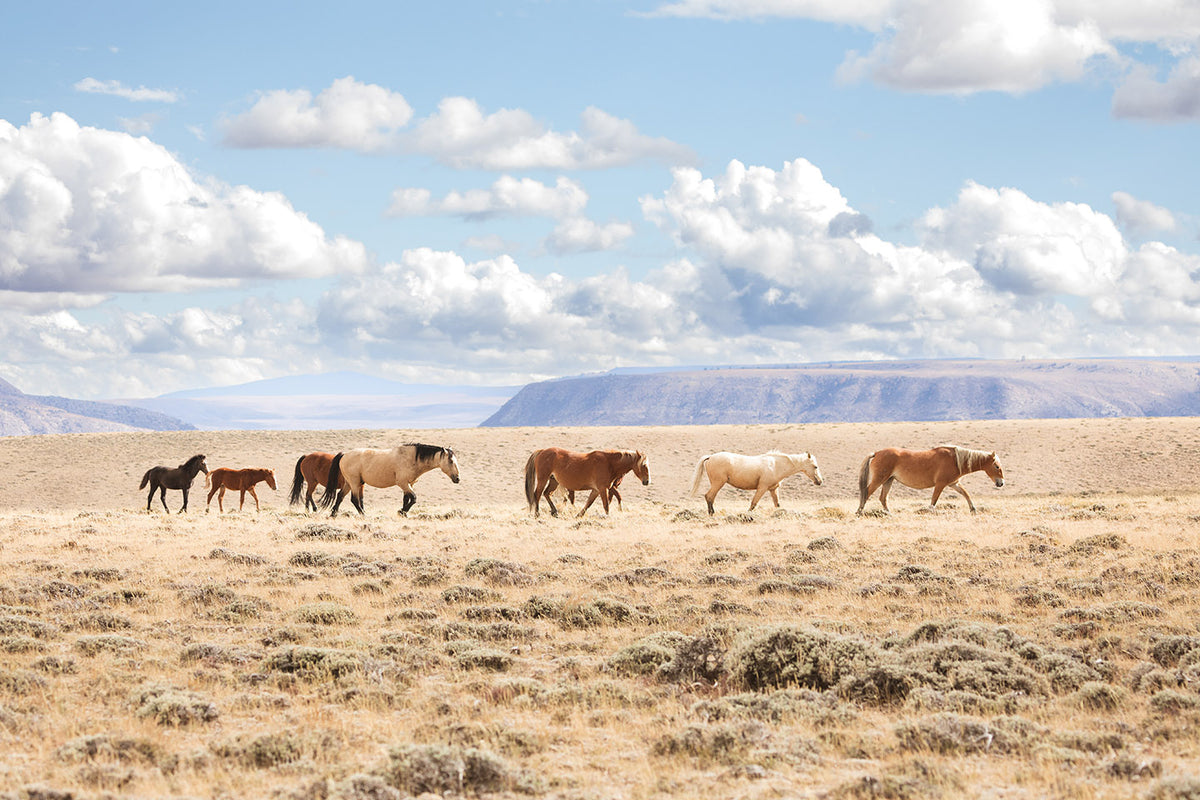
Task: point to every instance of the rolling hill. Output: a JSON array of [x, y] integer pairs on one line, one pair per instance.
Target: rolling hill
[[24, 414], [863, 392]]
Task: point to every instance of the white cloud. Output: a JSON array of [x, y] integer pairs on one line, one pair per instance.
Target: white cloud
[[867, 13], [1141, 218], [84, 210], [962, 46], [1177, 99], [581, 235], [349, 115], [507, 197], [460, 135], [117, 89]]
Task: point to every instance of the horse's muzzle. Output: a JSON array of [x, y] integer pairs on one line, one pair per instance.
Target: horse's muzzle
[[454, 479], [999, 483]]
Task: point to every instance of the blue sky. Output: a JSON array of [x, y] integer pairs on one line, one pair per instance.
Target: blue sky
[[498, 192]]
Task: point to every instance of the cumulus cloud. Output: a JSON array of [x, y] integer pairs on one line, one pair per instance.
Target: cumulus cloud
[[459, 134], [84, 210], [1141, 218], [1177, 99], [349, 115], [964, 46], [507, 197], [581, 235], [118, 89]]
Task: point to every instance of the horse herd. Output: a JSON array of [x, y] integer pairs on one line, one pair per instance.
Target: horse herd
[[598, 471]]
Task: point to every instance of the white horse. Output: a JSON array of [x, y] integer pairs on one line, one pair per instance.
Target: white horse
[[399, 466], [762, 473]]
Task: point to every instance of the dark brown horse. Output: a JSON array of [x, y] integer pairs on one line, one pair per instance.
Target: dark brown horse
[[312, 469], [238, 480], [181, 477], [598, 470], [940, 468]]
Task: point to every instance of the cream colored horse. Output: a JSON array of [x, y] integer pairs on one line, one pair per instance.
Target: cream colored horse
[[761, 473], [399, 466]]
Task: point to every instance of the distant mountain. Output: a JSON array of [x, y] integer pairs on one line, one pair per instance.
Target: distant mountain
[[24, 414], [864, 392], [330, 401]]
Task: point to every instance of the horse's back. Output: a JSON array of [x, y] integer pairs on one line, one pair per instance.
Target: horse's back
[[919, 469]]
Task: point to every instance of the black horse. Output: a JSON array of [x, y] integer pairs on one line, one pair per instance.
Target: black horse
[[181, 477]]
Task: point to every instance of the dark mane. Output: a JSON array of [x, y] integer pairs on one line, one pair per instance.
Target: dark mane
[[427, 452], [191, 462]]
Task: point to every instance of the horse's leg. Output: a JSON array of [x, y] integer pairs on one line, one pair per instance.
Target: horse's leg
[[162, 496], [341, 495], [241, 499], [774, 496], [221, 500], [883, 492], [308, 498], [614, 494], [591, 499], [549, 501], [254, 495], [758, 493], [937, 492], [357, 499], [185, 494], [711, 494], [150, 497], [956, 487], [875, 483]]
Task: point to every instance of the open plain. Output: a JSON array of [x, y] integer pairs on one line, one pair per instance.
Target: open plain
[[1047, 646]]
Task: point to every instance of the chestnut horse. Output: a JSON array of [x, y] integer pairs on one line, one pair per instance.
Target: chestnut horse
[[598, 470], [181, 477], [399, 466], [238, 480], [762, 473], [313, 468], [940, 468]]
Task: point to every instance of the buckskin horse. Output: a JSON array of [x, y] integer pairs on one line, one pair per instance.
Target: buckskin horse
[[181, 477], [762, 473], [598, 470], [238, 480], [399, 466], [312, 469], [940, 468]]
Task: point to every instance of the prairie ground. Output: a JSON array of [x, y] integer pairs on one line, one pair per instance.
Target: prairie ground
[[1046, 646]]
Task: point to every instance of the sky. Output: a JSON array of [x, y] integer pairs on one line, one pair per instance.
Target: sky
[[494, 193]]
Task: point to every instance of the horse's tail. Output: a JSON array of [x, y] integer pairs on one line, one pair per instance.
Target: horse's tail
[[334, 481], [699, 473], [864, 479], [297, 484], [146, 478], [530, 477]]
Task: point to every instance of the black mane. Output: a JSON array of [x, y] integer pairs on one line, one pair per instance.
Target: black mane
[[427, 452]]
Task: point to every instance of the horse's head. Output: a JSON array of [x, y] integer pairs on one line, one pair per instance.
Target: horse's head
[[808, 465], [449, 464], [271, 478], [197, 462], [641, 467], [993, 469]]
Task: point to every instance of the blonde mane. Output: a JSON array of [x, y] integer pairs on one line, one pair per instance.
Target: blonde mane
[[970, 460]]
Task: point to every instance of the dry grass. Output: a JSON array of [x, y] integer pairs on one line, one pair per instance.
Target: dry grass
[[1047, 646]]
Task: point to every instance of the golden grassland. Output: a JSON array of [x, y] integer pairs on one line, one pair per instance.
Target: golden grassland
[[1047, 646]]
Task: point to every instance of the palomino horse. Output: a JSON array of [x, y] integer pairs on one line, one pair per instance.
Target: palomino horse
[[399, 466], [238, 480], [313, 469], [598, 470], [940, 468], [761, 473], [181, 477]]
